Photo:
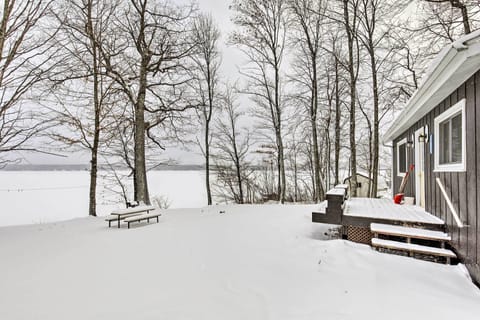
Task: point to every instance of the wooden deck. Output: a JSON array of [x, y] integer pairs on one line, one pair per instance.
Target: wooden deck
[[385, 209], [360, 212]]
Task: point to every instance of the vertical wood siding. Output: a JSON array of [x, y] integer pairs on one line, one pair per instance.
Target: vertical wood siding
[[463, 188]]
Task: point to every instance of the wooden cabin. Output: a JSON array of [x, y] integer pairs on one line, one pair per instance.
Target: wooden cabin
[[438, 132]]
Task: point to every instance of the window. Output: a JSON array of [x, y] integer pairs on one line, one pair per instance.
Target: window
[[450, 139], [402, 157]]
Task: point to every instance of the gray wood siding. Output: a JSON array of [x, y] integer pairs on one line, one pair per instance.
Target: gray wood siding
[[463, 188]]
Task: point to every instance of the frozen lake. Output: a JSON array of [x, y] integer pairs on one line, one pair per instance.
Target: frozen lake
[[46, 196]]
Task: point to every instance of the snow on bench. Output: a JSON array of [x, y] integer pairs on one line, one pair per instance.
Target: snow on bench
[[136, 209], [402, 246], [406, 232], [141, 217]]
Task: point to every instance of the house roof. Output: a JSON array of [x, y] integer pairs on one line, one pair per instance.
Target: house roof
[[382, 183], [454, 65]]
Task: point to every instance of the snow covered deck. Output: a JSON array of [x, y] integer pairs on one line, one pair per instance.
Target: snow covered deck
[[360, 212], [385, 209]]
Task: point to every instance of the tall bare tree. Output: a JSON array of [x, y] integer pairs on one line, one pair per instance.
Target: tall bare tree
[[25, 53], [261, 34], [232, 147], [149, 45], [369, 15], [308, 19], [350, 15], [84, 95], [207, 60]]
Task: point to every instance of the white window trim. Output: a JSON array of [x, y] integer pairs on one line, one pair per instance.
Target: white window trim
[[399, 143], [450, 112]]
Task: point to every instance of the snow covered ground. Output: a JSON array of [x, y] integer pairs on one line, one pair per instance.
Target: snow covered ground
[[251, 262]]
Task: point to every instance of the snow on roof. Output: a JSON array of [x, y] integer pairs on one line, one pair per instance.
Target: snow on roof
[[453, 66], [381, 182]]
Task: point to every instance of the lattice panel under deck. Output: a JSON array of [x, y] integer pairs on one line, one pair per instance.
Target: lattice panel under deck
[[359, 234]]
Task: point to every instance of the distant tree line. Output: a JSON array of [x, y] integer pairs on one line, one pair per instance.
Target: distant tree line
[[127, 79]]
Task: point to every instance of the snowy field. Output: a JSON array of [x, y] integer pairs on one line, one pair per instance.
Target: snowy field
[[48, 196], [251, 262]]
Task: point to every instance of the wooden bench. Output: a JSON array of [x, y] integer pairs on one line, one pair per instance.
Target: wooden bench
[[411, 233], [123, 214], [138, 218]]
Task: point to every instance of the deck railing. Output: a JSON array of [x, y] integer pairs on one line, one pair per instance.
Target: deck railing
[[450, 204]]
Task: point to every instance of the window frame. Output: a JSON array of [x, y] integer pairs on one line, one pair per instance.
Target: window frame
[[399, 143], [450, 113]]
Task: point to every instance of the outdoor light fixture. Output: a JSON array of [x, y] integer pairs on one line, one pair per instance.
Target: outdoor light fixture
[[410, 142]]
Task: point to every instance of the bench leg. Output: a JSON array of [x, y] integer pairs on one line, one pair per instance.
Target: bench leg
[[109, 224], [128, 224], [118, 220], [157, 219], [148, 220]]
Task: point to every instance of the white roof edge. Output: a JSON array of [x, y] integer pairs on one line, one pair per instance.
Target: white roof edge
[[440, 70]]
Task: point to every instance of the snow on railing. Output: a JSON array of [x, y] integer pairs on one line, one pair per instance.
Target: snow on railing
[[450, 204]]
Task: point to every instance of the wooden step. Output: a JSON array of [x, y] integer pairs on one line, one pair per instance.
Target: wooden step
[[391, 230], [409, 247]]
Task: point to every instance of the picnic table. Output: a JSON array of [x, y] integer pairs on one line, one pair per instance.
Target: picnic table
[[123, 213]]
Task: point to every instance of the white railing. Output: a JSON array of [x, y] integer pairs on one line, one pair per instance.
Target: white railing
[[450, 204]]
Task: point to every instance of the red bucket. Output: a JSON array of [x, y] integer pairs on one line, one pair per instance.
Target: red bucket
[[398, 198]]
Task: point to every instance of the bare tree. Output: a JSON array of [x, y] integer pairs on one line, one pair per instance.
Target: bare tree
[[338, 105], [83, 94], [232, 147], [207, 60], [308, 18], [25, 53], [261, 36], [464, 8], [371, 38], [350, 11], [146, 56]]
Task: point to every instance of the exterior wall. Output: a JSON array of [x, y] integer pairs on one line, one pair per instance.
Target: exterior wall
[[463, 188]]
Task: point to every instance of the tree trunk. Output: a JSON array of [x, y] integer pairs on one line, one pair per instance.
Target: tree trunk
[[375, 124], [208, 118], [313, 119], [464, 10], [278, 131], [316, 162], [207, 162], [237, 167], [338, 115], [351, 71], [96, 104], [140, 180], [281, 167]]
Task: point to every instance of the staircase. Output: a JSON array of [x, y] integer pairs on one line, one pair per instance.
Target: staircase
[[415, 242]]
